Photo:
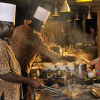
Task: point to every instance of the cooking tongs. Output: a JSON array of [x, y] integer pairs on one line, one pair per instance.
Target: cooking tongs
[[52, 90]]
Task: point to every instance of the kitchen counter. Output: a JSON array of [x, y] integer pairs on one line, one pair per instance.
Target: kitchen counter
[[84, 94]]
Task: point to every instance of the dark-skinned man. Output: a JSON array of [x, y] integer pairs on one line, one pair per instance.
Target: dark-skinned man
[[10, 71]]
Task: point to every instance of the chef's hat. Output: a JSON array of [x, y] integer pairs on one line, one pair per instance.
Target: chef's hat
[[41, 14], [7, 12]]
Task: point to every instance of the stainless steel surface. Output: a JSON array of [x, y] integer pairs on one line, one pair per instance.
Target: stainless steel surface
[[47, 95], [96, 92], [44, 95]]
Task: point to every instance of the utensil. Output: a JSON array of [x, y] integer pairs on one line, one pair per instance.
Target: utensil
[[53, 90]]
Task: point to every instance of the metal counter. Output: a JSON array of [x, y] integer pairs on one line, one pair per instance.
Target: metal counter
[[84, 91]]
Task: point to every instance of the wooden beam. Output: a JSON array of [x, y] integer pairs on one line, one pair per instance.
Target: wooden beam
[[98, 28]]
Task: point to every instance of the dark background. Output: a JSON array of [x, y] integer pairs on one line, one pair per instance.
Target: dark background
[[26, 8]]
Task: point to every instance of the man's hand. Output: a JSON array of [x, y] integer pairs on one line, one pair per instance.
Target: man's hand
[[68, 58], [35, 83], [13, 77]]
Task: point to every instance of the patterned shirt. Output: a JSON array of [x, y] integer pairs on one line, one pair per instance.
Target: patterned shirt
[[26, 42], [8, 63]]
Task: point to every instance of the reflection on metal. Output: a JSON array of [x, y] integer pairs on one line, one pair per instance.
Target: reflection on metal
[[89, 14], [69, 19], [38, 73], [65, 7], [77, 18], [44, 95], [83, 0], [56, 12]]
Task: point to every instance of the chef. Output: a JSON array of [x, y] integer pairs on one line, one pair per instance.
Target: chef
[[27, 41], [10, 71]]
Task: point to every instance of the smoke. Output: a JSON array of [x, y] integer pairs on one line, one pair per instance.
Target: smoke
[[78, 36], [60, 31]]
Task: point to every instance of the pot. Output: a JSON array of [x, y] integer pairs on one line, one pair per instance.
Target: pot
[[80, 70]]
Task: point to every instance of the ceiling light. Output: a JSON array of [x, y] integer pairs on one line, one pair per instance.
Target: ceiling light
[[55, 12], [69, 19], [76, 18], [83, 0], [65, 7], [89, 14]]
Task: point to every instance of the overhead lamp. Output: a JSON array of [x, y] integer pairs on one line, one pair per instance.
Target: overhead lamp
[[69, 19], [83, 0], [89, 14], [76, 18], [55, 12], [65, 7]]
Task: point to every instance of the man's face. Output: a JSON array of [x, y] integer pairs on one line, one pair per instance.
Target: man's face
[[5, 29]]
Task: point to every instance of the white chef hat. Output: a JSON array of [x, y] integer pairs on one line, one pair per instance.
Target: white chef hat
[[41, 14], [7, 12]]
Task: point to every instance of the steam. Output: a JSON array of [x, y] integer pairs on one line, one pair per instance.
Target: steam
[[58, 32], [79, 37]]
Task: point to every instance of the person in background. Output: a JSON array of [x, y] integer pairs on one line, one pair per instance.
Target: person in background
[[95, 62], [93, 34], [10, 71]]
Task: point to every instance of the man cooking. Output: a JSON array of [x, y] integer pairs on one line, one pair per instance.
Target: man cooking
[[27, 41], [10, 71]]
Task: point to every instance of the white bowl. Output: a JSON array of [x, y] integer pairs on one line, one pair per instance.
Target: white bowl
[[90, 74]]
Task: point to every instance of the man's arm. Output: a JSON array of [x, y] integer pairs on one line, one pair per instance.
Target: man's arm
[[13, 77], [43, 49], [6, 72], [91, 63]]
